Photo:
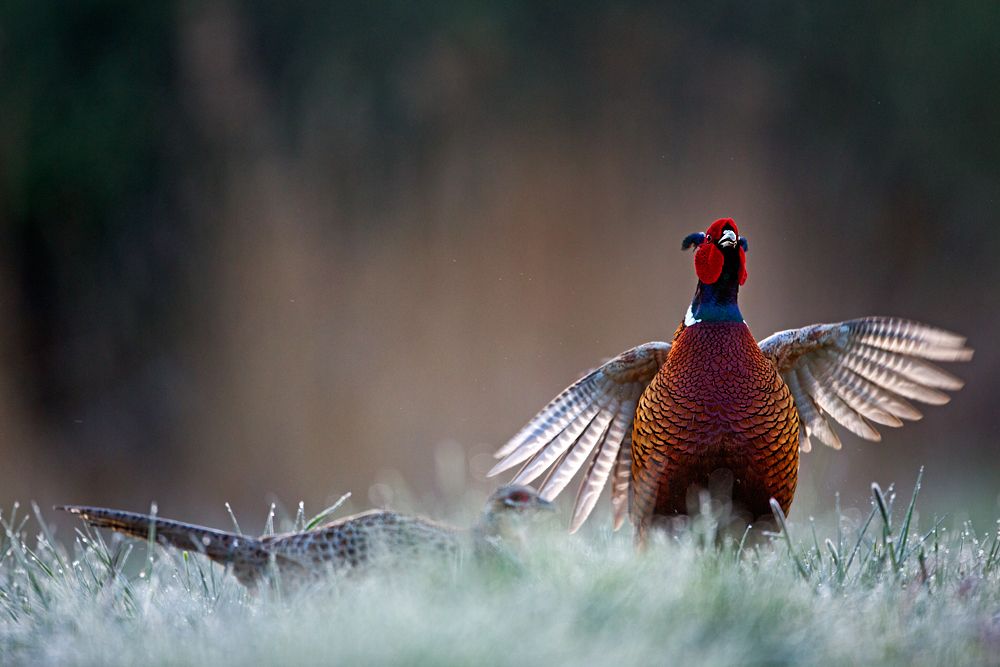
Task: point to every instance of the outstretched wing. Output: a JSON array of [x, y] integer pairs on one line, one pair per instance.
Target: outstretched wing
[[596, 412], [863, 371]]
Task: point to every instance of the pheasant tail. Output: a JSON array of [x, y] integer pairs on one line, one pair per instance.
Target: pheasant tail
[[245, 554]]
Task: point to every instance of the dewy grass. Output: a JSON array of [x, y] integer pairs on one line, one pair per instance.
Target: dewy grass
[[849, 594]]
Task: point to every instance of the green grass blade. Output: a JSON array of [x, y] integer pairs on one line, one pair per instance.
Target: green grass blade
[[319, 518], [236, 524], [300, 517], [780, 517], [861, 537], [905, 530], [151, 541], [269, 525], [48, 535]]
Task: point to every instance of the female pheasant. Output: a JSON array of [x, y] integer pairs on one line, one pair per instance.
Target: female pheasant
[[664, 417], [353, 544]]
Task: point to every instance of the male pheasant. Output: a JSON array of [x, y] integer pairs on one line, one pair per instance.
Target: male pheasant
[[664, 417], [353, 544]]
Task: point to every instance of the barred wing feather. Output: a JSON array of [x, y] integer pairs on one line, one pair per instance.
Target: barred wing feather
[[863, 371], [594, 414], [621, 480]]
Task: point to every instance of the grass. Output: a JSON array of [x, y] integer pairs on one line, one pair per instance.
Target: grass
[[879, 590]]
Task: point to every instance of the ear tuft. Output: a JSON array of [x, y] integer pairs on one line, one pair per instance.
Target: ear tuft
[[695, 240]]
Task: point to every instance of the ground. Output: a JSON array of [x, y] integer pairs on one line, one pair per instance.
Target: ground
[[812, 594]]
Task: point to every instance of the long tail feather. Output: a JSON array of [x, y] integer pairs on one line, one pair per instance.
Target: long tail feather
[[218, 545]]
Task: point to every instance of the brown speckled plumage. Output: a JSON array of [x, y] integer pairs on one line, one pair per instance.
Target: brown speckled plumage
[[350, 545], [661, 420]]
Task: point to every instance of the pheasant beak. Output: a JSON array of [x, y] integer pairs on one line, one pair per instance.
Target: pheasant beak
[[546, 505], [728, 239]]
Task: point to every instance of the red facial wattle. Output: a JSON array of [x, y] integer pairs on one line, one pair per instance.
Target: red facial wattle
[[709, 260]]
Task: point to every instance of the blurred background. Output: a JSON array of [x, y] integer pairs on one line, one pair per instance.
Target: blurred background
[[284, 250]]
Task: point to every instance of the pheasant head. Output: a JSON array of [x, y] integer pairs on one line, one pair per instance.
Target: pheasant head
[[720, 262], [501, 518]]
